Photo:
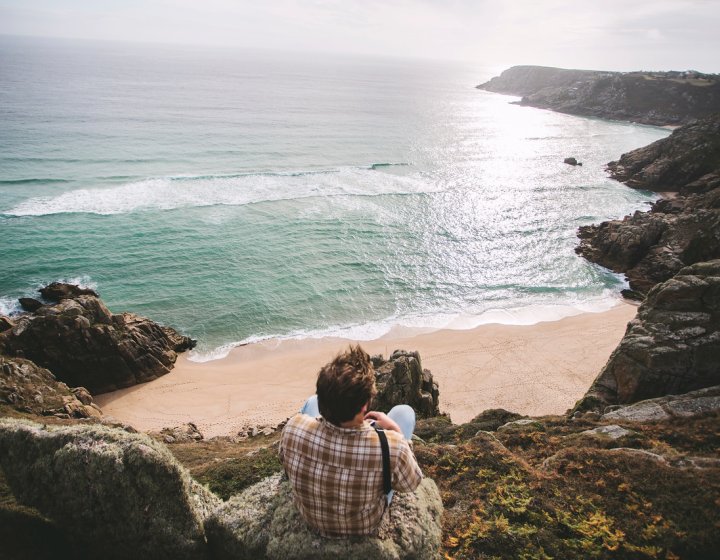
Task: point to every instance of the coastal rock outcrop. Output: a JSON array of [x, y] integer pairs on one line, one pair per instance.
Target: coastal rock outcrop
[[116, 495], [672, 346], [83, 344], [651, 247], [57, 291], [685, 162], [27, 387], [402, 380], [687, 405], [657, 98], [262, 523]]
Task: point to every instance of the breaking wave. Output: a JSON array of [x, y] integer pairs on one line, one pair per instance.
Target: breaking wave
[[169, 193]]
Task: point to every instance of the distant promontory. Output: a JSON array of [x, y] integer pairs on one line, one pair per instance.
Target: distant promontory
[[654, 98]]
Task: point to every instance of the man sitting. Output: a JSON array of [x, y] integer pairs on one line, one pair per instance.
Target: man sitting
[[332, 453]]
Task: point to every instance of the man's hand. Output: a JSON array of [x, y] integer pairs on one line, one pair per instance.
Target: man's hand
[[383, 421]]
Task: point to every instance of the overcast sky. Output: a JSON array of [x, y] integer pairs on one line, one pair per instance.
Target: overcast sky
[[594, 34]]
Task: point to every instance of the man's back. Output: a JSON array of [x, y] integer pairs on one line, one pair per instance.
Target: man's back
[[337, 473]]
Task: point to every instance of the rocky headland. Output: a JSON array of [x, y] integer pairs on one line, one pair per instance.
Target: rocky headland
[[74, 335], [657, 98], [651, 247]]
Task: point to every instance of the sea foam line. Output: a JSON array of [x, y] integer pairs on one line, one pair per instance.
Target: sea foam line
[[169, 193], [403, 327]]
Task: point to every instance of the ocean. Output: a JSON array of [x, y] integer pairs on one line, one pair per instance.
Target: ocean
[[244, 195]]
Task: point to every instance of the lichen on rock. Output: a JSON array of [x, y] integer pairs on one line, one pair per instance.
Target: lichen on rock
[[116, 494], [263, 523]]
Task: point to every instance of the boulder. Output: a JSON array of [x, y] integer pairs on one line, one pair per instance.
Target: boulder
[[262, 523], [116, 495], [30, 304], [402, 380], [672, 346], [612, 432], [27, 387], [84, 344], [694, 403], [5, 323], [59, 290], [82, 394], [571, 161], [181, 434]]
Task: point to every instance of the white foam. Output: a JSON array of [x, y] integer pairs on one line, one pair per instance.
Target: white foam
[[9, 306], [402, 327], [83, 281], [169, 193]]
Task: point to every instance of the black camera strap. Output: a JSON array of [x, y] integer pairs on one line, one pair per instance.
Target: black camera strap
[[387, 483]]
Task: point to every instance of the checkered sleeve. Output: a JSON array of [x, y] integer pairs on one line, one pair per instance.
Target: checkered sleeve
[[406, 473]]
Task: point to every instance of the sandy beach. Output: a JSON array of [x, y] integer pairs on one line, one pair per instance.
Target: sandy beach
[[535, 370]]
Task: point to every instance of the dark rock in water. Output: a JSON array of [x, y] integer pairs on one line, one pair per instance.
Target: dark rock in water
[[632, 295], [571, 161], [5, 323], [117, 495], [651, 247], [30, 304], [672, 346], [263, 524], [657, 98], [84, 344], [58, 291], [27, 387], [402, 380]]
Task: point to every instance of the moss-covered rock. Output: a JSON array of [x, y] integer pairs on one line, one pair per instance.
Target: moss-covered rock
[[262, 523], [117, 494]]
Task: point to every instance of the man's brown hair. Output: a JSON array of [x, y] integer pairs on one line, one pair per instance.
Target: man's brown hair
[[345, 385]]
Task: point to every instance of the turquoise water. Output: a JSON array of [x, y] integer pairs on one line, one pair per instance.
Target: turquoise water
[[243, 195]]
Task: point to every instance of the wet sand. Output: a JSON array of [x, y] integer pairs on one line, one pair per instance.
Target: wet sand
[[535, 370]]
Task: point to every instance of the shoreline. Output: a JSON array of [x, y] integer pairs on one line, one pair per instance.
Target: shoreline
[[530, 369]]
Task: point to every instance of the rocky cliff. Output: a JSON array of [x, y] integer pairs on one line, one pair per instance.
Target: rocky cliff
[[82, 343], [121, 495], [651, 247], [672, 346], [640, 481], [657, 98]]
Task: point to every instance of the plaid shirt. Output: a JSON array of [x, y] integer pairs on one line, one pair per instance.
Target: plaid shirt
[[336, 473]]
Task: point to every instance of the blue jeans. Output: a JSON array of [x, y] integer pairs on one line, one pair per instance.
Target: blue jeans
[[402, 414]]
